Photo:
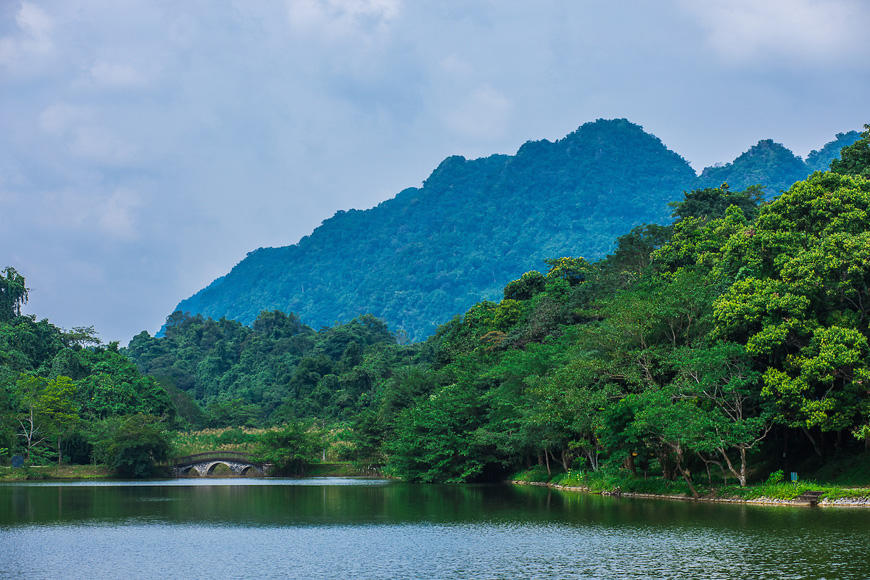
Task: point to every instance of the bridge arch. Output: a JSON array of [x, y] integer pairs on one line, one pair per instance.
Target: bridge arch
[[217, 465], [204, 464]]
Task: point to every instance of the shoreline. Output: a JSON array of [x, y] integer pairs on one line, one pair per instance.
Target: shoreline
[[861, 502]]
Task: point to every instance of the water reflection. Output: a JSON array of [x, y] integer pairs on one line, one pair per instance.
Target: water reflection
[[378, 529]]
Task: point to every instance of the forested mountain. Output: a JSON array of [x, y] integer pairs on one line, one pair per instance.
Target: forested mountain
[[417, 259], [773, 166], [820, 160]]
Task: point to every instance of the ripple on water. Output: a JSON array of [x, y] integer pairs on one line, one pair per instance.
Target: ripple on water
[[403, 532]]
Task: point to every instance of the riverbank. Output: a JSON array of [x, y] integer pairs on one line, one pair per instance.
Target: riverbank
[[59, 472], [97, 472], [779, 493]]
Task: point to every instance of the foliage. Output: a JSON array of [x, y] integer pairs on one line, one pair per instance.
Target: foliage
[[799, 301], [855, 158], [131, 445], [56, 385], [13, 293], [278, 370], [290, 448]]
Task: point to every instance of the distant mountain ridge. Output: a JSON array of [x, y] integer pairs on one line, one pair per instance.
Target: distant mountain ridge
[[773, 166], [429, 253]]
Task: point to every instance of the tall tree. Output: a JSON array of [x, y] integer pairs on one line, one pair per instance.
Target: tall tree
[[47, 410], [855, 158], [800, 301], [13, 293]]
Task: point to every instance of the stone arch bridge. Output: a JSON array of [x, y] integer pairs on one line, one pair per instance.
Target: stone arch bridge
[[241, 464]]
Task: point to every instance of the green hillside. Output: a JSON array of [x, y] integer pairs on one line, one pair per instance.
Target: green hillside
[[430, 252], [773, 166]]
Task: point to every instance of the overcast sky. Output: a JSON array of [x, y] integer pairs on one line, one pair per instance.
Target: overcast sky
[[147, 145]]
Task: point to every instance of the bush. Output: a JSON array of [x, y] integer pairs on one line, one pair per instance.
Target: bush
[[131, 445]]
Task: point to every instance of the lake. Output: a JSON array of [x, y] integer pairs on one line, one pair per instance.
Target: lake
[[358, 528]]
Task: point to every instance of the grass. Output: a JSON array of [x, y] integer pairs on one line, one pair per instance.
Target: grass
[[56, 472], [228, 439], [331, 470], [775, 489], [847, 470]]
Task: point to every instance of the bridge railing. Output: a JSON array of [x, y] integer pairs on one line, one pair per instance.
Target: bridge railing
[[213, 455]]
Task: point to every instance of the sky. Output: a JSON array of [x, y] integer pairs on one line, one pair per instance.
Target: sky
[[147, 146]]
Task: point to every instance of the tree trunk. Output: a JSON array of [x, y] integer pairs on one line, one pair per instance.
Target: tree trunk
[[709, 460], [678, 452], [629, 464], [812, 439], [740, 475], [592, 455], [662, 455], [688, 482]]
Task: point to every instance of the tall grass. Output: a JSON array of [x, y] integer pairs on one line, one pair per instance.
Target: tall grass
[[226, 439]]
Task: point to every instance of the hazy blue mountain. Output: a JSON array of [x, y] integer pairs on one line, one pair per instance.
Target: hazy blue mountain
[[475, 225], [821, 160], [773, 166], [429, 253]]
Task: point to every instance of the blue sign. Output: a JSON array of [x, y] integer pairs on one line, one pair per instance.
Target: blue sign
[[17, 461]]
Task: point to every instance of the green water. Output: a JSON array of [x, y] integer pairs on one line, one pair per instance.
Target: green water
[[346, 528]]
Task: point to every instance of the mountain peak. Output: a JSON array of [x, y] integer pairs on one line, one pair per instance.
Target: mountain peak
[[421, 257]]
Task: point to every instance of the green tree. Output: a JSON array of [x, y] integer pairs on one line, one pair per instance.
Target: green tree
[[855, 158], [434, 439], [712, 202], [133, 445], [13, 293], [668, 421], [291, 447], [800, 301], [720, 378], [529, 284], [47, 410]]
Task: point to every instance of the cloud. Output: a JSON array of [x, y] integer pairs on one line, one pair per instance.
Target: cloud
[[115, 75], [116, 214], [342, 19], [482, 114], [57, 119], [74, 126], [100, 145], [110, 216], [796, 31], [32, 40]]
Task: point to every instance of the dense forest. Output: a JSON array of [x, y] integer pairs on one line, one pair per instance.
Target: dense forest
[[65, 396], [731, 340], [475, 225]]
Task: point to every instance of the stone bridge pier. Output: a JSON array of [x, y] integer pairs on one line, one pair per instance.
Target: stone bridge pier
[[207, 468], [204, 464]]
